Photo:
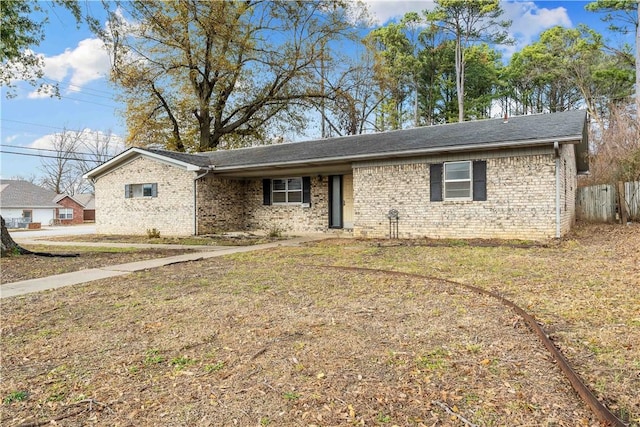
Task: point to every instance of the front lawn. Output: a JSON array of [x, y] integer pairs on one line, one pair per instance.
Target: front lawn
[[275, 337]]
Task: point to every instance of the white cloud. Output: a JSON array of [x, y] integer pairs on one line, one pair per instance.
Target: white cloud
[[383, 11], [529, 20], [9, 139], [87, 62], [45, 142]]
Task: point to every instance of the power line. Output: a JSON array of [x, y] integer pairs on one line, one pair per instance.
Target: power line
[[44, 156], [47, 149], [88, 102], [86, 90]]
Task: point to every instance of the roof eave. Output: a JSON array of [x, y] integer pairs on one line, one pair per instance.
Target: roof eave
[[133, 152], [571, 139]]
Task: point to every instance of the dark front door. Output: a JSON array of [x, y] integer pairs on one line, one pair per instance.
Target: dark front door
[[335, 201]]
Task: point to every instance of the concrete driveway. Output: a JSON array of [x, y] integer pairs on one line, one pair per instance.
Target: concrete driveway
[[67, 230]]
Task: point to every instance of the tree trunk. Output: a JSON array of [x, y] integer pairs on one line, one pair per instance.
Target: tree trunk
[[638, 63], [10, 247], [460, 78]]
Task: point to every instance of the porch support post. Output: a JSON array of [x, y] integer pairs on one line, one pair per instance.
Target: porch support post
[[556, 149]]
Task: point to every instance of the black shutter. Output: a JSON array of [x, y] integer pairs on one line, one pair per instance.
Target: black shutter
[[480, 180], [266, 191], [154, 190], [127, 191], [306, 189], [435, 180]]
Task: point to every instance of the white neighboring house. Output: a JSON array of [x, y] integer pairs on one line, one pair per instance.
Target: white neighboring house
[[22, 202]]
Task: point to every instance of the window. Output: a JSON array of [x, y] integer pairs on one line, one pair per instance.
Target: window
[[457, 180], [27, 215], [287, 190], [65, 213], [141, 190]]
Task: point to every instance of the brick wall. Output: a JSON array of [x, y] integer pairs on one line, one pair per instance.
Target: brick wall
[[221, 204], [171, 212], [78, 211], [289, 218], [568, 187], [232, 205], [520, 198]]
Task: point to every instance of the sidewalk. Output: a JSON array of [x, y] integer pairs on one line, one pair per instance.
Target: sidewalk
[[89, 275]]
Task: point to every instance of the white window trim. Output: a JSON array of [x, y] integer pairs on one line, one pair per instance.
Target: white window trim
[[445, 181], [137, 190], [66, 213], [287, 191]]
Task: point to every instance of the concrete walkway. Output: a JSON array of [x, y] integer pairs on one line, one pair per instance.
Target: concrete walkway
[[84, 276]]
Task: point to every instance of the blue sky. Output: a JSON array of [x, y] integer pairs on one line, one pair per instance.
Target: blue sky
[[75, 59]]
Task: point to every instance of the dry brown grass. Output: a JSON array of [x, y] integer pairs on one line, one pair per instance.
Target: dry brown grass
[[273, 338], [24, 267]]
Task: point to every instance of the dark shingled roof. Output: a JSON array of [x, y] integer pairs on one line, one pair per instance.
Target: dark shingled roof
[[337, 154], [478, 135], [23, 194], [194, 159]]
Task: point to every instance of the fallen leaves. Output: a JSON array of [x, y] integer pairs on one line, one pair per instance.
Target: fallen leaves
[[349, 348]]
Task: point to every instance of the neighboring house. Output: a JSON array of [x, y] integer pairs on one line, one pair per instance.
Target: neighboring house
[[75, 209], [489, 179], [22, 202]]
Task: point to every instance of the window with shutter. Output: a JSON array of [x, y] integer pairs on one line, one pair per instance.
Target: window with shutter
[[464, 180], [457, 181], [286, 191]]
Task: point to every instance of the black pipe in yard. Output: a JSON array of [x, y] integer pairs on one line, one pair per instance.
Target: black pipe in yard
[[599, 410]]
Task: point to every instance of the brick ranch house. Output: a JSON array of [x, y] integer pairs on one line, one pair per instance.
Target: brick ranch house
[[75, 209], [480, 179]]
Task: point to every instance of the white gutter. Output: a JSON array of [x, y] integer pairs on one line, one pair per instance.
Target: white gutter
[[195, 199], [556, 150]]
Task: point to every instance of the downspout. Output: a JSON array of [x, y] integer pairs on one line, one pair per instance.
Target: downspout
[[195, 199], [556, 150]]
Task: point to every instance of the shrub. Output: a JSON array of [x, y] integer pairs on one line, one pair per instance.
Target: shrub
[[153, 233]]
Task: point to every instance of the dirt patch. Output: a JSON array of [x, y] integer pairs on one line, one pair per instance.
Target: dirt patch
[[24, 267], [226, 239], [273, 338]]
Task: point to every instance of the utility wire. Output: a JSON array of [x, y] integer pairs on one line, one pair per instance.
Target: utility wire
[[86, 90], [47, 149], [44, 155]]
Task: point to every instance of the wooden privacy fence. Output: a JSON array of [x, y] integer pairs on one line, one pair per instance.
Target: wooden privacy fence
[[601, 203]]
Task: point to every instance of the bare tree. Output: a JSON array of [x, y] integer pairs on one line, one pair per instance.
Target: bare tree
[[97, 148], [351, 96], [59, 172], [616, 150], [74, 153]]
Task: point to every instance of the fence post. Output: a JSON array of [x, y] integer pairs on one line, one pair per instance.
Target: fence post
[[622, 203]]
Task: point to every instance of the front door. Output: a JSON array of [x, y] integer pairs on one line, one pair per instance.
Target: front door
[[335, 201], [341, 201]]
